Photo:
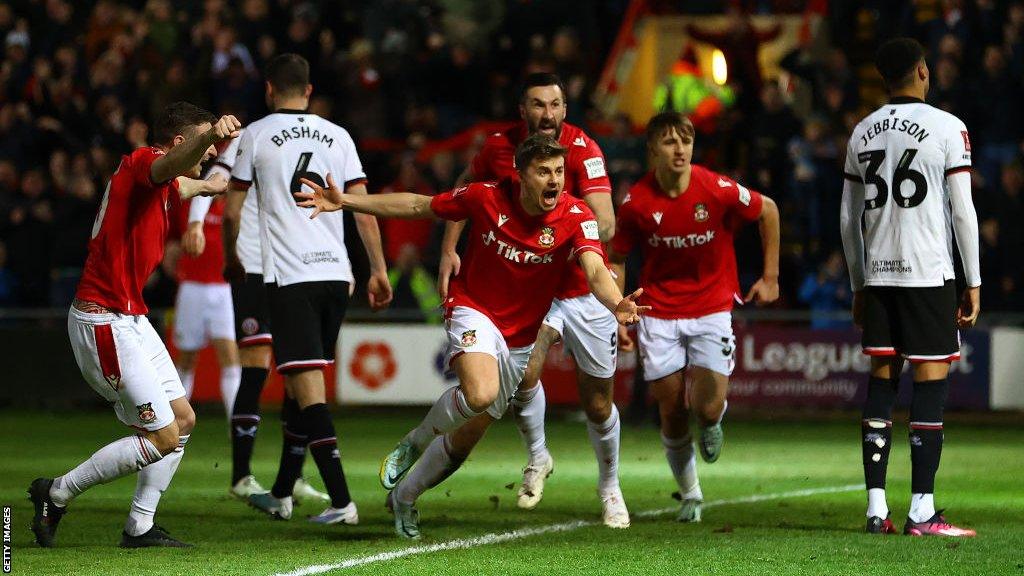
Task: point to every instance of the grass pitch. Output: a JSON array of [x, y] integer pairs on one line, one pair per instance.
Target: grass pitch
[[980, 482]]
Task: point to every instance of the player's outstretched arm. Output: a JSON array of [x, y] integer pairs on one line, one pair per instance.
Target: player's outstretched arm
[[626, 310], [189, 188], [766, 289], [618, 268], [181, 158], [378, 288], [394, 205]]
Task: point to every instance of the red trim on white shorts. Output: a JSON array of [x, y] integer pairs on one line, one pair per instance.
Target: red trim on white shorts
[[106, 350], [302, 365], [255, 340], [451, 361], [879, 351]]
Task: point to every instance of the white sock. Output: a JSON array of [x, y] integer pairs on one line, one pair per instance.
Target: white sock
[[433, 467], [604, 437], [922, 507], [683, 462], [117, 459], [449, 412], [153, 481], [528, 407], [187, 378], [876, 503], [230, 380]]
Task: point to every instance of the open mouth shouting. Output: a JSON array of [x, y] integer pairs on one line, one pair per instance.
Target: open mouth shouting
[[549, 198]]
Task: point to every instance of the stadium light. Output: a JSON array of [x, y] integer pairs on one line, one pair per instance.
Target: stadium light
[[719, 69]]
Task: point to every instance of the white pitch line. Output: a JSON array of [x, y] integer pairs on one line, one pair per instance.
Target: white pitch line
[[499, 537]]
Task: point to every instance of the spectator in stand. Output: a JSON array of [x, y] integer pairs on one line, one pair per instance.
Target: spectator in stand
[[770, 132], [827, 292], [413, 286], [1010, 210], [29, 240], [74, 216], [947, 91], [8, 282], [996, 117], [815, 155], [624, 152], [397, 233], [740, 42]]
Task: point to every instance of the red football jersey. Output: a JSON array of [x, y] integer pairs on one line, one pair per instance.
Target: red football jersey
[[208, 267], [689, 265], [585, 173], [514, 262], [128, 236]]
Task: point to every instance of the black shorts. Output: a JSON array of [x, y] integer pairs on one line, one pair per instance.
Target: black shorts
[[918, 324], [307, 317], [252, 313]]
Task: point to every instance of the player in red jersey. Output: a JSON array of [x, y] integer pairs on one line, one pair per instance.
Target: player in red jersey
[[120, 355], [524, 238], [203, 312], [683, 216], [576, 317]]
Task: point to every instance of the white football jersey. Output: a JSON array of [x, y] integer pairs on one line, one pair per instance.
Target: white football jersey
[[902, 153], [248, 244], [273, 154]]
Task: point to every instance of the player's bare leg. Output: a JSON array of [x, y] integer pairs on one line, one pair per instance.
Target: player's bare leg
[[926, 413], [245, 418], [876, 438], [307, 387], [139, 530], [443, 456], [528, 408], [185, 364], [478, 388], [603, 429], [670, 393], [708, 390]]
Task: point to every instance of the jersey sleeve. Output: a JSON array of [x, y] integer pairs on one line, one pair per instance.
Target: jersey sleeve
[[592, 175], [242, 168], [481, 164], [958, 149], [140, 164], [626, 231], [585, 234], [456, 205], [351, 168], [739, 200]]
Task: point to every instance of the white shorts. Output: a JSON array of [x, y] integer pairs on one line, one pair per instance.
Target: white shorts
[[471, 331], [202, 312], [589, 332], [122, 357], [667, 346]]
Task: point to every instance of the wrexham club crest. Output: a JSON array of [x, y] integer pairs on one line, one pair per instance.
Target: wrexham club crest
[[468, 338], [700, 212], [146, 413], [547, 237]]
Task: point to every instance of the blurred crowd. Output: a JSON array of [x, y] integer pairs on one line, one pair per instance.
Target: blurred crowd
[[80, 83]]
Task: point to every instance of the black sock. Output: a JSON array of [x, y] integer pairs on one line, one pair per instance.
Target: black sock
[[926, 408], [245, 421], [293, 449], [876, 430], [323, 445]]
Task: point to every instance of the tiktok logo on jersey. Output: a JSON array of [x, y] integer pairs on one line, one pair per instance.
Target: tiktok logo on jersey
[[518, 255], [688, 241]]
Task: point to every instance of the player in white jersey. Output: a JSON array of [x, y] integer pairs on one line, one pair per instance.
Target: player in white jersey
[[305, 266], [907, 195], [250, 332]]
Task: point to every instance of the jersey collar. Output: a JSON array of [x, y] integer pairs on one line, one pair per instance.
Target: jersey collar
[[905, 100], [290, 111]]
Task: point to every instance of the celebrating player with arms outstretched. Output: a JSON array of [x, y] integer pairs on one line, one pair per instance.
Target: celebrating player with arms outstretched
[[306, 269], [524, 237], [908, 188], [576, 316], [683, 216], [118, 351]]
